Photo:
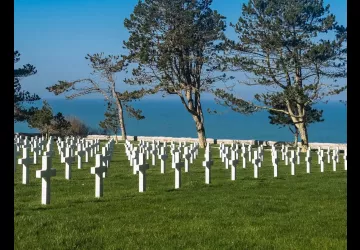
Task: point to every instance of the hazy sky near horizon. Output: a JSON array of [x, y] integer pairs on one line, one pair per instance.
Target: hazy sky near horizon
[[56, 35]]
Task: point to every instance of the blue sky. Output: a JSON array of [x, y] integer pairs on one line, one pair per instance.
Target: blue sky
[[55, 36]]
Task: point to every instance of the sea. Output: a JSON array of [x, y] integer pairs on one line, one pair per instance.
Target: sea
[[170, 118]]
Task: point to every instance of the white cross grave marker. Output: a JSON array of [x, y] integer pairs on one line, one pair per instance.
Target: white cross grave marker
[[25, 161], [233, 164], [292, 161], [178, 164], [334, 158], [163, 156], [99, 170], [308, 161], [141, 167], [45, 174], [275, 162], [207, 164], [68, 159], [321, 158], [186, 156], [256, 161], [80, 152]]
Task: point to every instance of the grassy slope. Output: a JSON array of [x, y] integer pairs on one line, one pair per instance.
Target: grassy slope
[[306, 211]]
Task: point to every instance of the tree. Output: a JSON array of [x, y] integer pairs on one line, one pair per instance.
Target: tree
[[42, 118], [21, 97], [77, 127], [60, 125], [106, 68], [173, 43], [110, 123], [282, 44], [278, 118]]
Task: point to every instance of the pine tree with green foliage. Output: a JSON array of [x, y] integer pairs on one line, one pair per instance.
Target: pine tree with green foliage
[[22, 97], [111, 121], [47, 123], [105, 67], [294, 49], [174, 46], [281, 119], [42, 118]]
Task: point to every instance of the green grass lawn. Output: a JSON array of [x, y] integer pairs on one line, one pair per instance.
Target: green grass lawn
[[305, 211]]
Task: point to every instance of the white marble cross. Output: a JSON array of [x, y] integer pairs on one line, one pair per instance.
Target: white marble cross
[[308, 161], [45, 174], [292, 161], [318, 153], [49, 150], [141, 168], [178, 164], [298, 156], [262, 152], [68, 159], [249, 152], [226, 155], [16, 153], [134, 159], [106, 159], [286, 155], [25, 161], [87, 151], [223, 153], [186, 157], [80, 152], [207, 164], [221, 149], [26, 143], [256, 161], [260, 155], [99, 171], [35, 149], [334, 158], [148, 148], [243, 155], [236, 151], [275, 162], [91, 146], [62, 152], [173, 157], [163, 156], [321, 158], [153, 154], [337, 153], [282, 152], [328, 154], [233, 163], [191, 153]]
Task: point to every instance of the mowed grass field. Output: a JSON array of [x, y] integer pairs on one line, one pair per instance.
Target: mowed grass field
[[305, 211]]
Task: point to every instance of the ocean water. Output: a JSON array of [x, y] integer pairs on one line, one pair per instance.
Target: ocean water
[[169, 118]]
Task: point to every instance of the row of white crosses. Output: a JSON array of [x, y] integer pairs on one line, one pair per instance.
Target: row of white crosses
[[46, 172], [26, 160], [138, 156], [102, 164], [292, 157]]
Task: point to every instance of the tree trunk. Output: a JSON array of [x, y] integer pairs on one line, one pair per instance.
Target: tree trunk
[[303, 135], [296, 137], [194, 108], [200, 131], [121, 118]]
